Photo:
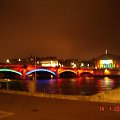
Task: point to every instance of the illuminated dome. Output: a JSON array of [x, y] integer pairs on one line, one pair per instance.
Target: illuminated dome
[[107, 57]]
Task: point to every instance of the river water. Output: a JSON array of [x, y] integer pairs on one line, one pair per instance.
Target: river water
[[68, 86]]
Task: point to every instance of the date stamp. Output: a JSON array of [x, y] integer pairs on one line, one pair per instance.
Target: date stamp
[[111, 108]]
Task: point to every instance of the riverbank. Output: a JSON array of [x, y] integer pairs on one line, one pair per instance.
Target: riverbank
[[112, 96], [16, 106]]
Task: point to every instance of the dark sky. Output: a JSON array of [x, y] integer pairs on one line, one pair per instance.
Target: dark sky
[[64, 28]]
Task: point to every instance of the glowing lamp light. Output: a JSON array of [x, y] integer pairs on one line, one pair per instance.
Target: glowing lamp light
[[106, 72], [8, 70], [91, 72], [74, 65], [95, 67], [59, 64], [82, 64], [8, 61], [19, 59], [51, 76]]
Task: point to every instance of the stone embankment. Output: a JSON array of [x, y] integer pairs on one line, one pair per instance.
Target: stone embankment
[[112, 96]]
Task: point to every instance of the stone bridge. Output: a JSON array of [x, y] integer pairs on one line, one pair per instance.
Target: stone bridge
[[25, 70]]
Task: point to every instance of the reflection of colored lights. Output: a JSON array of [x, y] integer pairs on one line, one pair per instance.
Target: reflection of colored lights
[[86, 78], [59, 80], [30, 75], [79, 81], [73, 80], [89, 79], [51, 76], [107, 81]]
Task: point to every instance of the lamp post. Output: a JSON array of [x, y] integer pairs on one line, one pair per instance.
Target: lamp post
[[35, 68], [32, 83]]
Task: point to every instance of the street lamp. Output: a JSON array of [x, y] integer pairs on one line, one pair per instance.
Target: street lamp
[[35, 68], [38, 62], [88, 65], [82, 64], [19, 59], [7, 61]]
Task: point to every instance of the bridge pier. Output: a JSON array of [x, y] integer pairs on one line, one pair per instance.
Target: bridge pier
[[57, 74], [24, 74], [78, 73]]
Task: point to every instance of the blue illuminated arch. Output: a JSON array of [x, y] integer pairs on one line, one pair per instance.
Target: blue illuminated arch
[[9, 70], [45, 70]]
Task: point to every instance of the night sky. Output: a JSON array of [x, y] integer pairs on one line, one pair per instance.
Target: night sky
[[81, 29]]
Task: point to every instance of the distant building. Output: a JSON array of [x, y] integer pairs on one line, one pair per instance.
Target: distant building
[[73, 63], [87, 64], [107, 60], [49, 62]]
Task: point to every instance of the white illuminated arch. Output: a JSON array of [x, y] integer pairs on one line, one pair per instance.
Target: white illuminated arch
[[9, 70]]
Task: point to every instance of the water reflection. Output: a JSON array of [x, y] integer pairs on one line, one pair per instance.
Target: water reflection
[[76, 86], [106, 83], [73, 86], [14, 84]]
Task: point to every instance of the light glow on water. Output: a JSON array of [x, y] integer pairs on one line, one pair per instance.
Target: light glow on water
[[68, 86]]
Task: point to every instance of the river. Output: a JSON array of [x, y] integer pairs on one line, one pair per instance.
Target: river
[[68, 86]]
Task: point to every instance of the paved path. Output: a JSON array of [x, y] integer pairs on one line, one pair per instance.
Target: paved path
[[20, 107], [4, 114]]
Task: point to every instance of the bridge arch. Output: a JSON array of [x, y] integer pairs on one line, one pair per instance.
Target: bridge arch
[[10, 70], [86, 74], [63, 73], [67, 71], [44, 70]]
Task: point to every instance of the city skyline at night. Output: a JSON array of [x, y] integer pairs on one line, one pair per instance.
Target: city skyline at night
[[60, 59]]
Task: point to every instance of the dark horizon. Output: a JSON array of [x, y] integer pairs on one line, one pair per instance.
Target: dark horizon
[[63, 28]]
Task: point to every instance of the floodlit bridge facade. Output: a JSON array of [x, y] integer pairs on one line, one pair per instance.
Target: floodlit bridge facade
[[24, 72]]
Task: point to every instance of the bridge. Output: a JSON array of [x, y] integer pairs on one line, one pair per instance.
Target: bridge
[[29, 71]]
